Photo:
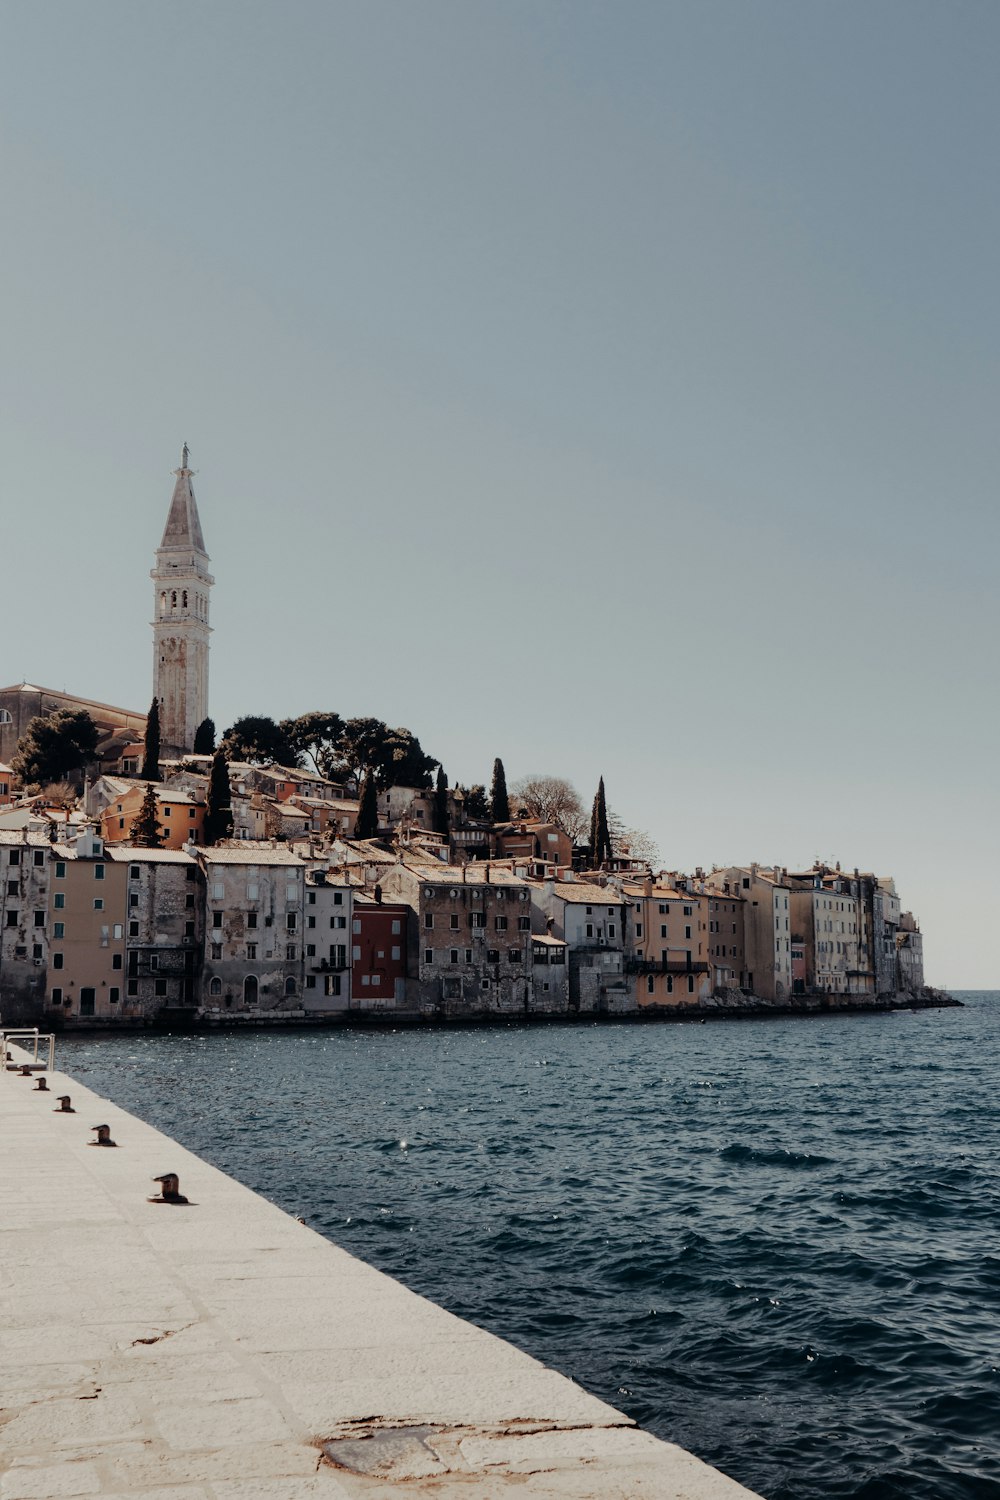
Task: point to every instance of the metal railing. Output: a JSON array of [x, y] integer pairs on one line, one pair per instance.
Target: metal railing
[[28, 1039]]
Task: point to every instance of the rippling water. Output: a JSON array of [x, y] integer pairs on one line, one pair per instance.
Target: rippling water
[[775, 1243]]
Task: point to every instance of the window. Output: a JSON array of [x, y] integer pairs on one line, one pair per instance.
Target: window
[[428, 955], [468, 955], [98, 872], [396, 927], [253, 892], [87, 998], [216, 919], [493, 955], [114, 995], [132, 987], [428, 919], [291, 892], [251, 950], [133, 929], [251, 919], [290, 950], [332, 986], [338, 898], [524, 924], [189, 900], [477, 919], [453, 922], [57, 996], [216, 951], [355, 953], [290, 986], [663, 929], [57, 960], [98, 903], [36, 950], [453, 957], [39, 919], [638, 929], [215, 987], [690, 984], [133, 900], [59, 900], [312, 898], [60, 870], [590, 929], [513, 955], [650, 984], [687, 930], [611, 929], [14, 857], [310, 921], [189, 929], [116, 960], [38, 858], [12, 918], [166, 812], [13, 886], [160, 987], [59, 929], [291, 920], [338, 922], [356, 925], [500, 923]]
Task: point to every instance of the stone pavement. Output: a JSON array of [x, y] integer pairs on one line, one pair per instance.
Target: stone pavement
[[221, 1350]]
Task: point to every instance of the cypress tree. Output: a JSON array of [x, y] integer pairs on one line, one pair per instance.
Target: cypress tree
[[204, 738], [151, 750], [367, 825], [600, 835], [499, 801], [145, 829], [219, 813], [441, 802]]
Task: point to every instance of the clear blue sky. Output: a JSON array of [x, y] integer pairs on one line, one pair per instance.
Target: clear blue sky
[[610, 387]]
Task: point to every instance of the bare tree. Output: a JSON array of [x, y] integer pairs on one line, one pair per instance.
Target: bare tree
[[632, 843], [552, 799]]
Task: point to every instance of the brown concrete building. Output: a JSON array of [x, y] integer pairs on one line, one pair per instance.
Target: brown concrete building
[[86, 961], [180, 818], [666, 938], [164, 917]]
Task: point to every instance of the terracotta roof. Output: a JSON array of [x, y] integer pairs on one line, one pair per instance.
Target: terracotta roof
[[247, 852], [592, 895], [14, 836], [123, 855], [474, 874]]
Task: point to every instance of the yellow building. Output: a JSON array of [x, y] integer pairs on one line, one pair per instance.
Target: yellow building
[[666, 943], [180, 817]]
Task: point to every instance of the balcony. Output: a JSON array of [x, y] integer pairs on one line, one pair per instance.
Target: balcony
[[670, 966]]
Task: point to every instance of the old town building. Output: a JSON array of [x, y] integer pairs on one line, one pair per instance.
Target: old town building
[[181, 587], [590, 920]]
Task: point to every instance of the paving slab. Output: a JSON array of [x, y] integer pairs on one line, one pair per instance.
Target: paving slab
[[221, 1350]]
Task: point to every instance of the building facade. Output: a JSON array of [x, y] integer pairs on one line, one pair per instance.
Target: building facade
[[181, 587]]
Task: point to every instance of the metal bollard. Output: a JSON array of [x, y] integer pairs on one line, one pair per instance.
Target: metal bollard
[[103, 1136], [169, 1189], [65, 1108]]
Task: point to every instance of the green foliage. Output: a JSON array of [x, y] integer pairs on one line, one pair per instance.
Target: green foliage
[[441, 802], [146, 829], [55, 746], [204, 738], [499, 801], [393, 756], [477, 804], [600, 837], [260, 741], [316, 737], [151, 748], [366, 826], [219, 812]]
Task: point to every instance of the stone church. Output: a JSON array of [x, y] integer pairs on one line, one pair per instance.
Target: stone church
[[180, 649]]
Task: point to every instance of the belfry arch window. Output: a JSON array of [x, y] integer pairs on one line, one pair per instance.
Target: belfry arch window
[[184, 599], [163, 602], [173, 599]]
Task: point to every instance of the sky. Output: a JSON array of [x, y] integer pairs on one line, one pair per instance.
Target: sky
[[609, 387]]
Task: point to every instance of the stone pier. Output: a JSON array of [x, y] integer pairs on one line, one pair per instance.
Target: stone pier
[[220, 1350]]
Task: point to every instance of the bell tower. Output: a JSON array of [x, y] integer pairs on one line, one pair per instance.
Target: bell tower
[[181, 582]]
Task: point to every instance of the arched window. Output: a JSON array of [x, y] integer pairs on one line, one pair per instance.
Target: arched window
[[184, 598], [250, 990], [163, 601], [289, 986], [215, 988], [173, 598], [5, 716], [650, 983]]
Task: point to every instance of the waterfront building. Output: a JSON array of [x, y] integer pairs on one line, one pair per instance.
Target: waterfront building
[[549, 974], [379, 942], [666, 937], [24, 924], [181, 586], [329, 904], [470, 941], [910, 954], [254, 908], [164, 933], [589, 918], [86, 912], [767, 932]]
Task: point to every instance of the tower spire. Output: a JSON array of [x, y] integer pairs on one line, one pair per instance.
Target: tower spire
[[181, 630]]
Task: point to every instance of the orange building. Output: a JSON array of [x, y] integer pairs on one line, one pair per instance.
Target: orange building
[[179, 817]]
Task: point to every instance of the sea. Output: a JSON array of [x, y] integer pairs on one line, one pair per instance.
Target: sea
[[775, 1242]]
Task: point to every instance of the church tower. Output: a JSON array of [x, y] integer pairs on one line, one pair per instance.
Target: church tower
[[180, 626]]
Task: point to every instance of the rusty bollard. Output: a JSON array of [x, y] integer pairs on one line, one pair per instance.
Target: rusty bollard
[[41, 1087], [25, 1070], [103, 1136], [65, 1107], [169, 1189]]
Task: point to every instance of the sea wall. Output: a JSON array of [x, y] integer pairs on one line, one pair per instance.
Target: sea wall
[[220, 1349]]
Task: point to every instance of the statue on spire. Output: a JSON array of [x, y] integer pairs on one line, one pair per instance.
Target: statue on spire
[[184, 457]]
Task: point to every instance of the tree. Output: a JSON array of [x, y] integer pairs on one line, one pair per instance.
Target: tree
[[499, 801], [54, 746], [632, 843], [366, 826], [151, 748], [146, 829], [477, 804], [204, 738], [316, 737], [393, 756], [441, 819], [219, 812], [554, 800], [259, 740], [600, 838]]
